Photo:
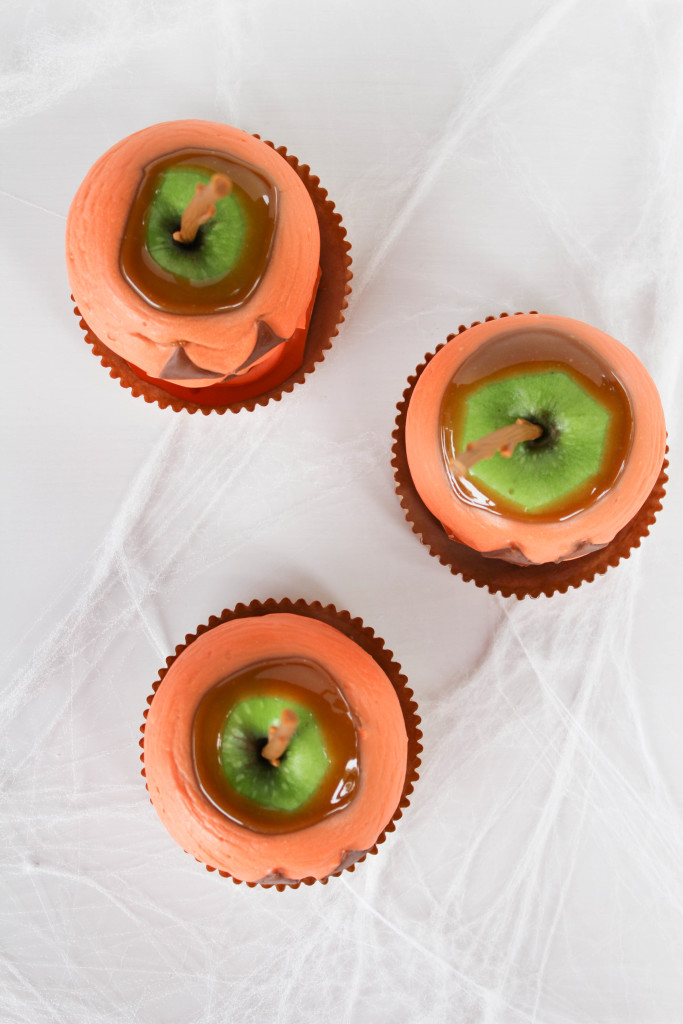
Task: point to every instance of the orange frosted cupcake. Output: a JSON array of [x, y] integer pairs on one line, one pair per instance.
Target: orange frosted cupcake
[[535, 442], [197, 255], [281, 743]]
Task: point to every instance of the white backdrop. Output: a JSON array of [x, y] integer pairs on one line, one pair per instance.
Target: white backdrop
[[486, 156]]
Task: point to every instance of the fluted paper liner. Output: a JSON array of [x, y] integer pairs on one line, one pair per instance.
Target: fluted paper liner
[[373, 645], [495, 574], [327, 316]]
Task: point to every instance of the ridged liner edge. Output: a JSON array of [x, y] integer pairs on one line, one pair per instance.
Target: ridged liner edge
[[365, 637], [470, 565], [336, 251]]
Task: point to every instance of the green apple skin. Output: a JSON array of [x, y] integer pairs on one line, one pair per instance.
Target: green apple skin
[[302, 767], [543, 473], [220, 242]]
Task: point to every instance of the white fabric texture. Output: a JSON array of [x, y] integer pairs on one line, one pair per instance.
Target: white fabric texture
[[486, 157]]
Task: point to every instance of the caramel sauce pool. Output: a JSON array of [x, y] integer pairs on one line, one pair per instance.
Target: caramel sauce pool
[[523, 351], [172, 292], [302, 682]]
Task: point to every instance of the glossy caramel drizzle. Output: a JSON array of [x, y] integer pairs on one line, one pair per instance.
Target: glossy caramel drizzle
[[516, 353], [301, 682], [172, 292]]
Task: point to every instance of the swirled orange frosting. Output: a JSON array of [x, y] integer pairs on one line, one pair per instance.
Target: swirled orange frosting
[[212, 837]]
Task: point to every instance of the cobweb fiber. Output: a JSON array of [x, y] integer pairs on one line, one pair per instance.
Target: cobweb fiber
[[485, 157]]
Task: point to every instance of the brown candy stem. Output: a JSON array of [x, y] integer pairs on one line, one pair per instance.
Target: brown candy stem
[[202, 207], [503, 441], [279, 737]]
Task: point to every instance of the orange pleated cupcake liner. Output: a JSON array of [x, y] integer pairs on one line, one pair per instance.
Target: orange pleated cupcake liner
[[373, 645], [327, 317], [494, 574]]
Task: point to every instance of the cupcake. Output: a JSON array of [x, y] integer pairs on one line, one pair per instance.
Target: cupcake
[[281, 743], [529, 453], [209, 268]]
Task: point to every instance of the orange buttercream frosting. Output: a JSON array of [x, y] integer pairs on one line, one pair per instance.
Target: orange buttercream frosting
[[534, 541], [146, 336], [212, 837]]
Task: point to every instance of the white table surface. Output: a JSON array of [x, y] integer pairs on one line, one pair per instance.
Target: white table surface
[[486, 156]]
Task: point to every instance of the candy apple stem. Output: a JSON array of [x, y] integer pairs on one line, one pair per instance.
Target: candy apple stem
[[279, 737], [503, 441], [201, 207]]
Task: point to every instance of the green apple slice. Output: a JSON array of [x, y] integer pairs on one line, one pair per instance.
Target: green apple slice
[[544, 472], [302, 766], [219, 243]]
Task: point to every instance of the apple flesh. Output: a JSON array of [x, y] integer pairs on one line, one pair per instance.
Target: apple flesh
[[547, 471], [303, 765]]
